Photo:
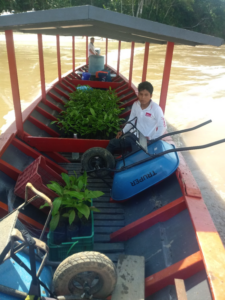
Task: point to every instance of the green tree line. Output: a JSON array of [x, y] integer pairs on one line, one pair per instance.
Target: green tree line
[[205, 16]]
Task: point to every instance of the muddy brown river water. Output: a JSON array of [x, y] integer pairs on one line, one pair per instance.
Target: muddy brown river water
[[196, 94]]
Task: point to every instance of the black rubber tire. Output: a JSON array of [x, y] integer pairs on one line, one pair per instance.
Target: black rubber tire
[[88, 261], [107, 161]]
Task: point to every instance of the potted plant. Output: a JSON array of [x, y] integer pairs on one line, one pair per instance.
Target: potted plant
[[72, 210], [91, 113]]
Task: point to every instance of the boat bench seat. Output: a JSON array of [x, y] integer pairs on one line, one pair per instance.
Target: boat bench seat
[[130, 278]]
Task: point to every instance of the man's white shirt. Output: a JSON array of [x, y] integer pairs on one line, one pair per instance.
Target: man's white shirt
[[91, 47], [150, 121]]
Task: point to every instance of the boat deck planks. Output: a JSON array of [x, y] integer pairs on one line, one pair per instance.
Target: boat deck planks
[[110, 218]]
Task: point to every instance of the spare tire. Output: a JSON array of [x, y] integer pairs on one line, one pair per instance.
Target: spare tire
[[95, 159], [83, 272]]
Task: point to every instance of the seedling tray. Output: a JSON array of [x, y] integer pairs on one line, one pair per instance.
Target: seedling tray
[[78, 244]]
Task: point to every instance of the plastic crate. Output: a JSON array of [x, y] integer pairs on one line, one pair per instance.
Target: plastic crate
[[38, 174], [62, 251]]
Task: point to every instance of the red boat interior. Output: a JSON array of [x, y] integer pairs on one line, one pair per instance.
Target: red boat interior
[[168, 223]]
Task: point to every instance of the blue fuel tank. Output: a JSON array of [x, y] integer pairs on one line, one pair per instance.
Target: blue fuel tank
[[130, 182]]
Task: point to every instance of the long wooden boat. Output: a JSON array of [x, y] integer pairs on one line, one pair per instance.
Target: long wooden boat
[[168, 223]]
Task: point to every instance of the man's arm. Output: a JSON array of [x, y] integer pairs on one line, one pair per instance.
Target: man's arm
[[92, 52], [160, 123]]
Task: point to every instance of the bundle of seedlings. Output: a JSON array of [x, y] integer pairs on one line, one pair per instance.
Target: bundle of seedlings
[[91, 114], [72, 209]]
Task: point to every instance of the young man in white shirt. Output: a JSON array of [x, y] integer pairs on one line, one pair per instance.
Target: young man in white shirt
[[91, 48], [150, 120]]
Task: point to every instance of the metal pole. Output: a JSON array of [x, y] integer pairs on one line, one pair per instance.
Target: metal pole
[[118, 61], [131, 62], [86, 50], [58, 57], [14, 81], [73, 50], [145, 63], [166, 75], [106, 52], [41, 64]]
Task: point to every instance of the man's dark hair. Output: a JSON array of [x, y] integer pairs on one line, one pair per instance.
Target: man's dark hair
[[145, 86]]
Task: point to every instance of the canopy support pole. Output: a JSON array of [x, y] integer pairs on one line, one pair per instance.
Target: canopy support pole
[[86, 50], [73, 52], [145, 63], [131, 62], [58, 57], [118, 61], [106, 52], [41, 64], [166, 75], [14, 81]]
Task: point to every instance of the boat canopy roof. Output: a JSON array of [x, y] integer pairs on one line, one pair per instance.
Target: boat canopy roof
[[93, 21]]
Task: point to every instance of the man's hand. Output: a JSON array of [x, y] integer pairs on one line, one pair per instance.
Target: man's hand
[[119, 134]]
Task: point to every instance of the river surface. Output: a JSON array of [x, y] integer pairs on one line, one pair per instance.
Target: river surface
[[196, 91]]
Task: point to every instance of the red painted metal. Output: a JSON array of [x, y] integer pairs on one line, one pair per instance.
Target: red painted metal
[[86, 50], [35, 154], [66, 81], [42, 68], [206, 233], [14, 81], [160, 215], [124, 92], [118, 61], [95, 84], [129, 103], [46, 114], [122, 87], [106, 52], [145, 62], [57, 157], [128, 96], [56, 98], [9, 170], [58, 56], [131, 62], [73, 52], [182, 269], [64, 144], [53, 106], [60, 92], [43, 127], [64, 85], [166, 75]]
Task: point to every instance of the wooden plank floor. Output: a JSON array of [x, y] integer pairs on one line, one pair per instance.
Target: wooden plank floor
[[109, 219]]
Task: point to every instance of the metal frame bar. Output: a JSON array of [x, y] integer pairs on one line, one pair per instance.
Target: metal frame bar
[[118, 60], [73, 52], [131, 63], [14, 81], [42, 68], [166, 75], [86, 50], [182, 269], [145, 62], [58, 57], [160, 215], [106, 52]]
